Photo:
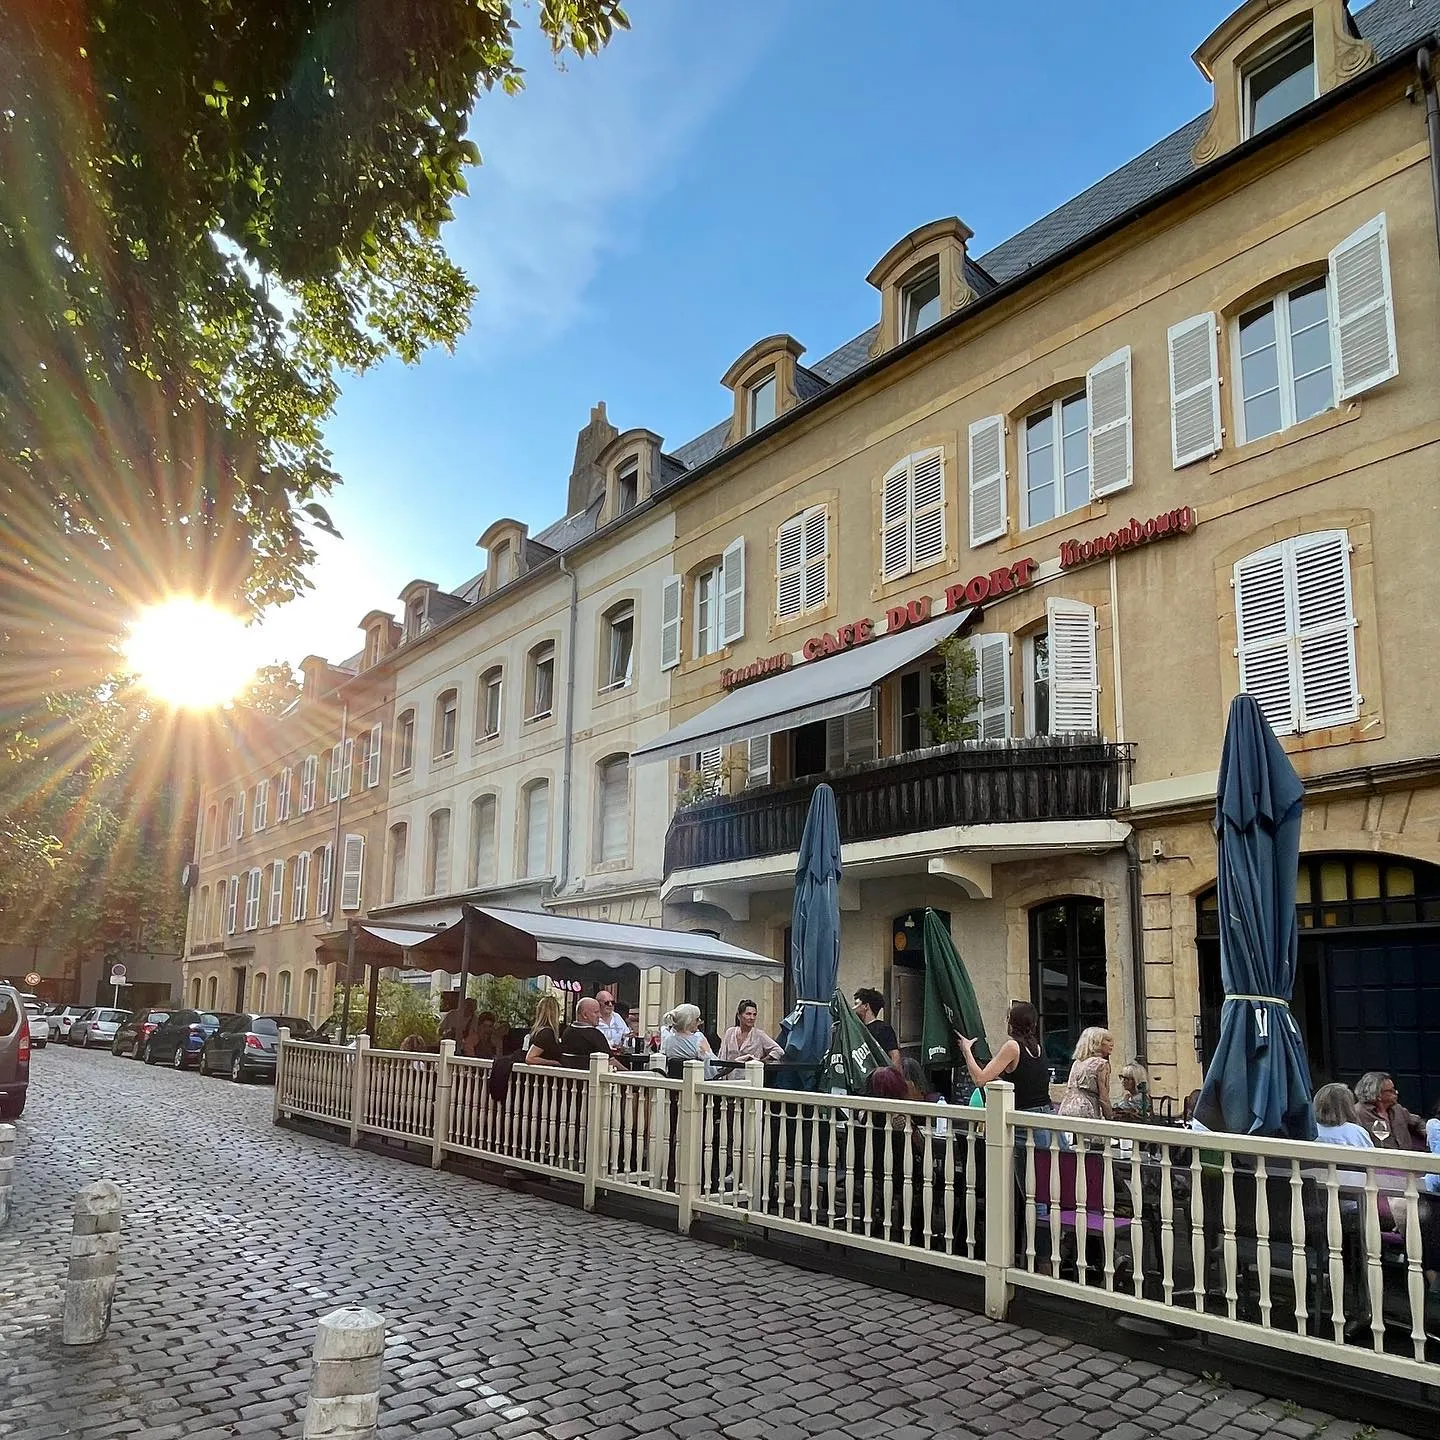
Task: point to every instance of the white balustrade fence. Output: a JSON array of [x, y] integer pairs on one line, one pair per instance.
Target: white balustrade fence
[[1312, 1249]]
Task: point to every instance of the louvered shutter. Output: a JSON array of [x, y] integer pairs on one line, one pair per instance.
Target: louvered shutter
[[670, 622], [850, 739], [928, 506], [537, 829], [1107, 391], [895, 523], [615, 811], [482, 841], [1362, 311], [710, 761], [261, 816], [277, 891], [1263, 628], [1325, 628], [992, 686], [326, 878], [232, 905], [347, 767], [1194, 389], [757, 760], [332, 783], [300, 886], [817, 580], [1074, 680], [240, 814], [372, 767], [352, 871], [308, 772], [790, 569], [732, 592], [282, 794], [987, 479], [252, 899]]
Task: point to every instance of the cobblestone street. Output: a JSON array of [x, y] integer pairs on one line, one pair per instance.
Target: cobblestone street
[[509, 1314]]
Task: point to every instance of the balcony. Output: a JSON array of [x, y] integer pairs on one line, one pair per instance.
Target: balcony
[[951, 785]]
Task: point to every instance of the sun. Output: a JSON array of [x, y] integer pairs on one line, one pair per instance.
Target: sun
[[189, 653]]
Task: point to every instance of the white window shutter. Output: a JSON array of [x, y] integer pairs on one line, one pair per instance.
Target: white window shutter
[[1263, 629], [300, 886], [987, 479], [850, 739], [1107, 390], [352, 871], [1325, 624], [732, 592], [277, 891], [817, 579], [261, 805], [347, 767], [252, 899], [326, 878], [537, 829], [372, 777], [790, 569], [615, 811], [332, 784], [1194, 389], [711, 761], [1362, 311], [282, 795], [482, 841], [992, 686], [240, 814], [895, 523], [1074, 677], [670, 622], [927, 491], [232, 905], [308, 773], [757, 760]]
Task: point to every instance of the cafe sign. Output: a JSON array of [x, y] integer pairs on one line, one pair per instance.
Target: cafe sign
[[1074, 553]]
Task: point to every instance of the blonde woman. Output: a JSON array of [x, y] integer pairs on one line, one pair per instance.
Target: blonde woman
[[542, 1044], [1087, 1093], [682, 1039]]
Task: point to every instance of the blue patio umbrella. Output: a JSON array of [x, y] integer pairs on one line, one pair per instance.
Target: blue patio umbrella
[[815, 932], [1258, 1082]]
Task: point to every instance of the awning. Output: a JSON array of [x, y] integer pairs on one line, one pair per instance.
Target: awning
[[817, 690], [537, 942]]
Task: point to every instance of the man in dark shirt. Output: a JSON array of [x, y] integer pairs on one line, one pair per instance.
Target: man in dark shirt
[[583, 1039], [869, 1006]]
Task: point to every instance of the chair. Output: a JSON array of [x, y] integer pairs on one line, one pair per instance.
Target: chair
[[1066, 1199]]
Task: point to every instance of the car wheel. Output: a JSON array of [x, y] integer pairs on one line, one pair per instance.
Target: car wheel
[[149, 1053], [201, 1064], [237, 1070], [12, 1106], [177, 1060]]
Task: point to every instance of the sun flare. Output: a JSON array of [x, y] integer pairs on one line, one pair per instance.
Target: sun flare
[[190, 653]]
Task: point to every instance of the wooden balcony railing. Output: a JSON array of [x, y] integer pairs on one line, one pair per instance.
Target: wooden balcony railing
[[972, 784]]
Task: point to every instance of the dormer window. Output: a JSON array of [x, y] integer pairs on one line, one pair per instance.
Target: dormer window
[[760, 403], [504, 561], [414, 618], [627, 486], [764, 382], [920, 302], [1280, 82]]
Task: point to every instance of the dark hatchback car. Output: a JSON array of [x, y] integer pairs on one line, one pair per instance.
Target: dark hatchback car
[[180, 1039], [247, 1045], [130, 1039]]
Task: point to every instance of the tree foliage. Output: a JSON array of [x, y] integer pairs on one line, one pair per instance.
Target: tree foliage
[[272, 689], [954, 718]]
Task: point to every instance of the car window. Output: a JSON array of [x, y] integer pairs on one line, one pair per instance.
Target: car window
[[9, 1013], [209, 1020], [264, 1025], [89, 1014], [120, 1016]]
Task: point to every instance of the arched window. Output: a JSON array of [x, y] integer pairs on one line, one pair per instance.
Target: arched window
[[212, 991], [617, 646], [404, 744], [212, 830], [612, 820], [311, 994], [195, 993], [202, 914], [482, 841], [447, 714], [396, 861], [537, 828], [437, 853], [540, 681], [488, 704], [258, 987], [282, 993], [227, 821], [1067, 973]]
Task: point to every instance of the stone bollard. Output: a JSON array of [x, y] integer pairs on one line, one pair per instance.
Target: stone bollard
[[94, 1255], [7, 1169], [345, 1376]]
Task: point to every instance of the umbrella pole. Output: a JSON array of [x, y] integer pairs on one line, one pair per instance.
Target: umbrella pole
[[464, 958], [349, 982]]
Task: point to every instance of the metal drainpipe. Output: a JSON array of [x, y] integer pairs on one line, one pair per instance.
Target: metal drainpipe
[[563, 878], [1134, 889], [1432, 127], [335, 866]]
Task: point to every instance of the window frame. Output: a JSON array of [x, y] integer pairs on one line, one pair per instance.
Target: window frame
[[404, 758], [397, 857], [1284, 358], [620, 612], [486, 800], [1276, 51], [539, 655], [491, 679], [627, 485], [1074, 960], [602, 776], [707, 636], [922, 275], [434, 882], [447, 713], [1056, 409], [766, 380], [527, 792]]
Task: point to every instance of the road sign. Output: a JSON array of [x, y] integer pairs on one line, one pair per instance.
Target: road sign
[[117, 974], [33, 979]]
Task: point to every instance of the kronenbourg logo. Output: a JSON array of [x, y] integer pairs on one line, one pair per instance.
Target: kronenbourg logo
[[935, 1050]]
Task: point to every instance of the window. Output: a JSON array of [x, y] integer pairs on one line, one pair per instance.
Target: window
[[707, 612], [1037, 684], [912, 514], [482, 841], [627, 486], [437, 853], [334, 772], [352, 872], [447, 711], [212, 830], [252, 899], [222, 897], [311, 993], [404, 744], [414, 618], [920, 302], [277, 892], [195, 993], [282, 992], [372, 757], [1295, 620], [309, 770], [1284, 361], [283, 783], [757, 760], [542, 681], [202, 913], [261, 813], [257, 991], [503, 563], [1280, 82], [300, 886], [212, 991], [670, 622], [395, 880], [1074, 694], [613, 821], [325, 867], [240, 814], [1067, 973], [619, 647], [989, 690], [537, 828], [489, 712], [989, 513], [1057, 459], [802, 571], [760, 403], [347, 766], [227, 822]]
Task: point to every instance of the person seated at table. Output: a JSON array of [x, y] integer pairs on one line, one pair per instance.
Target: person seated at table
[[1087, 1092], [585, 1038], [680, 1035], [482, 1036], [1391, 1125], [1134, 1101], [1336, 1120], [918, 1084], [870, 1007], [611, 1024], [1019, 1059], [745, 1041], [542, 1044]]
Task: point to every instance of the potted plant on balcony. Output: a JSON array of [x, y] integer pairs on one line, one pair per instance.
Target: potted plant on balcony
[[952, 720]]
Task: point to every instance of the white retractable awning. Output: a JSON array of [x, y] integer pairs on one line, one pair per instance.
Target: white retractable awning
[[817, 690]]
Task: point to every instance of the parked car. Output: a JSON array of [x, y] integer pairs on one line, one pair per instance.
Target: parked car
[[14, 1053], [246, 1045], [130, 1038], [37, 1013], [62, 1018], [181, 1038], [97, 1026]]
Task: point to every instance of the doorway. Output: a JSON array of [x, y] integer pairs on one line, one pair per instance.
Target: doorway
[[238, 977]]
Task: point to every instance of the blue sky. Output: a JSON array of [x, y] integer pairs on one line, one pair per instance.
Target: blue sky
[[722, 172]]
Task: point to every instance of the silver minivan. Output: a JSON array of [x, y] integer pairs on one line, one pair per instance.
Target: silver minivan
[[14, 1053]]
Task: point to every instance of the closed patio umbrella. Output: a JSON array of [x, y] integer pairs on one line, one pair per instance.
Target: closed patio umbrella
[[814, 932], [951, 1008], [1258, 1082], [855, 1054]]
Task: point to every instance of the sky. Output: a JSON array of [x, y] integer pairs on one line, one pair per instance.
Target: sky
[[724, 171]]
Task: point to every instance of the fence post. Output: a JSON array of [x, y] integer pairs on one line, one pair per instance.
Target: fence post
[[594, 1100], [754, 1134], [280, 1078], [7, 1169], [999, 1196], [345, 1376], [688, 1147], [94, 1257], [357, 1087], [444, 1091]]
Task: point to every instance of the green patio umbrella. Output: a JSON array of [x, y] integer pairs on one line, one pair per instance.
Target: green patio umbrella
[[951, 1008], [854, 1053]]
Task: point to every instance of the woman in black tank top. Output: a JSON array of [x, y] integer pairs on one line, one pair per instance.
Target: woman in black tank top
[[1018, 1060]]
